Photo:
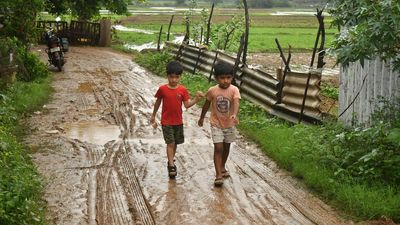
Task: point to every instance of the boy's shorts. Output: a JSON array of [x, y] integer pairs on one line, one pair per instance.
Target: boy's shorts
[[219, 135], [173, 134]]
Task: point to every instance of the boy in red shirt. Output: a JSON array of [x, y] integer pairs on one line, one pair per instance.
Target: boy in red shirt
[[172, 95], [224, 101]]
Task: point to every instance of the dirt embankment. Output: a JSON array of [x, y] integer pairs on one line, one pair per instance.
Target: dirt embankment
[[105, 165]]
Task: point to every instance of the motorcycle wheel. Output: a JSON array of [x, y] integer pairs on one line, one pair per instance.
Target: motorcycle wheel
[[59, 65]]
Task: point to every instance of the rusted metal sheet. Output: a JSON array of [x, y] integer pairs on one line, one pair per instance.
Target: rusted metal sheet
[[258, 86], [293, 92]]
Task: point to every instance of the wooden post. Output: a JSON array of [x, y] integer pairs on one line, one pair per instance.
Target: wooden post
[[105, 33], [281, 54], [304, 97], [246, 34], [201, 36], [169, 26], [237, 61], [282, 82], [209, 25], [212, 66], [320, 58], [321, 50], [159, 38], [198, 58]]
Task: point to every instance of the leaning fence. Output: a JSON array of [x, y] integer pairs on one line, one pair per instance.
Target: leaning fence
[[282, 98]]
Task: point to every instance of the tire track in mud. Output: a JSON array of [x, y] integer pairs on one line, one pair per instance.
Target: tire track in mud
[[85, 94], [124, 179], [113, 178]]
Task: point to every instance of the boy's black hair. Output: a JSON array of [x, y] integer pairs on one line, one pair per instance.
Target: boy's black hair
[[222, 68], [174, 67]]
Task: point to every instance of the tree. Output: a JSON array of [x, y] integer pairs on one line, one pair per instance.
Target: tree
[[87, 9], [18, 18], [370, 28]]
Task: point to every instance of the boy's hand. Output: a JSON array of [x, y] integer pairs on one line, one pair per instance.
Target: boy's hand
[[233, 117], [200, 122], [199, 94], [153, 122]]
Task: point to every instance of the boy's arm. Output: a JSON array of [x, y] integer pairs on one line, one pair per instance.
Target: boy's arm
[[155, 109], [204, 110], [235, 108], [196, 99]]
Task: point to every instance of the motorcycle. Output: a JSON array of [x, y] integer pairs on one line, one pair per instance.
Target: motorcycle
[[55, 48]]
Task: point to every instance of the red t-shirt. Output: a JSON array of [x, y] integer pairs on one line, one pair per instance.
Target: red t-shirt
[[171, 113]]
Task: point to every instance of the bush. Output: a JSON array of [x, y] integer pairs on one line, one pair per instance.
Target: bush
[[156, 62], [30, 67], [20, 185], [366, 155]]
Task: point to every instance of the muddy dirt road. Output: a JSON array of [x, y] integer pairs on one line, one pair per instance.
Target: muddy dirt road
[[105, 165]]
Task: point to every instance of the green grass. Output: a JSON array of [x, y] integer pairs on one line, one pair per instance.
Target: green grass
[[135, 38], [298, 31], [262, 39], [20, 183]]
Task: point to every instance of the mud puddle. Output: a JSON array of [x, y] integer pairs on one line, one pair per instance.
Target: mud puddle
[[94, 132], [107, 165]]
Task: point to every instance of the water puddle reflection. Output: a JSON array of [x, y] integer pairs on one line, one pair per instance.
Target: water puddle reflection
[[94, 132]]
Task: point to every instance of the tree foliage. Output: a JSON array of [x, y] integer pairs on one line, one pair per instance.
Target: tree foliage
[[370, 28], [87, 9], [18, 18]]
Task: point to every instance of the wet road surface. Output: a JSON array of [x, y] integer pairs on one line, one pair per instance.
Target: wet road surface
[[105, 165]]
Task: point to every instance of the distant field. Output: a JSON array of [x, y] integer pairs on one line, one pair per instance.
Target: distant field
[[295, 27], [297, 30]]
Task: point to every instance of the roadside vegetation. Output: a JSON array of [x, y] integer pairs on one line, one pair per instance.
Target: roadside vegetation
[[356, 170], [20, 183]]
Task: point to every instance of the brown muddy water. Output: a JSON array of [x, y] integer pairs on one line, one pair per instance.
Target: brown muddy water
[[105, 164]]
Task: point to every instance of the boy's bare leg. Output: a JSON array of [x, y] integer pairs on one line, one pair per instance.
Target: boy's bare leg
[[225, 155], [218, 155], [171, 150]]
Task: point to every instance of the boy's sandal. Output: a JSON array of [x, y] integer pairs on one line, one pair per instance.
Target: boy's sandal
[[218, 182], [225, 174], [172, 171]]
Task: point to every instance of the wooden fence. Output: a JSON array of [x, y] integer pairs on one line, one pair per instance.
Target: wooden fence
[[362, 87], [81, 33]]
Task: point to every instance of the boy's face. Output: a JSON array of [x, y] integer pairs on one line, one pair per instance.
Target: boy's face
[[224, 80], [173, 79]]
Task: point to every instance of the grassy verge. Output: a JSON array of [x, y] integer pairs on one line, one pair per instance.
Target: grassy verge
[[338, 164], [20, 184]]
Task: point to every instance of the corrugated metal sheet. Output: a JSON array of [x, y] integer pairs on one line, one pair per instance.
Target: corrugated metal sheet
[[258, 86]]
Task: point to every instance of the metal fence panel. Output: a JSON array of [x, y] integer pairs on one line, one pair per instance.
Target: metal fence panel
[[258, 86]]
